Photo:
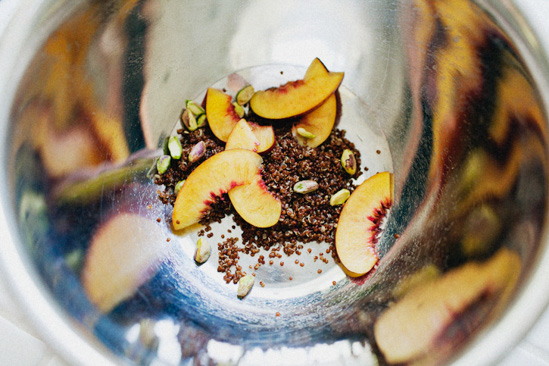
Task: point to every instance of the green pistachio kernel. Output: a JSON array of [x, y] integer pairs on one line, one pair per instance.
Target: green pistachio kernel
[[197, 151], [305, 186], [194, 108], [348, 161], [163, 163], [201, 120], [239, 110], [178, 186], [305, 134], [245, 284], [203, 251], [340, 197], [175, 148], [245, 94]]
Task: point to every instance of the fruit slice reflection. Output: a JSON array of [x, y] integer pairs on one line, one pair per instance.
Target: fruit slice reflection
[[122, 256], [418, 322]]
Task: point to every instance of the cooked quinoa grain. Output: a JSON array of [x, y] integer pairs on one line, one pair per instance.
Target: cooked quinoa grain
[[306, 218]]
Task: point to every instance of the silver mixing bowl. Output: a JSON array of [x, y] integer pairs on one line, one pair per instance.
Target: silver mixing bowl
[[455, 93]]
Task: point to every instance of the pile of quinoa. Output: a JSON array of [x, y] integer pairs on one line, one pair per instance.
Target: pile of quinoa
[[305, 218]]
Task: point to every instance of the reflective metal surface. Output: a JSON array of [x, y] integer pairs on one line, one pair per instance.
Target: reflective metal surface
[[457, 89]]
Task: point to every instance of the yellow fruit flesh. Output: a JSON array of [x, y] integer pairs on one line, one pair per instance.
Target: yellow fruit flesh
[[220, 113], [217, 175], [296, 97], [255, 204], [242, 137], [320, 121], [355, 235]]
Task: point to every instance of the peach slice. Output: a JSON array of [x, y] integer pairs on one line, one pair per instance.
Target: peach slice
[[220, 113], [223, 118], [124, 253], [218, 175], [359, 223], [321, 120], [214, 177], [251, 136], [242, 137], [295, 97], [255, 204], [252, 201], [265, 135]]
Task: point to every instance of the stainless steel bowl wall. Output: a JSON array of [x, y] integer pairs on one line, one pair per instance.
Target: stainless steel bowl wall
[[91, 89]]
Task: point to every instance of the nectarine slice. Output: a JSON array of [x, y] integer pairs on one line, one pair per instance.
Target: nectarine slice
[[359, 223], [220, 113], [295, 97], [251, 136], [223, 118], [265, 135], [214, 177], [255, 204], [320, 121], [242, 137]]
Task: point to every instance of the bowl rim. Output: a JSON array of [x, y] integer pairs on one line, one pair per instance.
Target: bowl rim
[[56, 327]]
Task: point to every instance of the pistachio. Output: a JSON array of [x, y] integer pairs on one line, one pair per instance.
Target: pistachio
[[239, 110], [245, 284], [305, 186], [175, 148], [163, 163], [197, 151], [201, 120], [203, 250], [178, 186], [339, 197], [304, 133], [189, 120], [194, 108], [348, 161], [245, 94]]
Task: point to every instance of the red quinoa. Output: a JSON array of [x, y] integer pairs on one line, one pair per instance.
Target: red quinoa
[[306, 218]]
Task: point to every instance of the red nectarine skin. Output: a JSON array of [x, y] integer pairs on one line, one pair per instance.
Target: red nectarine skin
[[220, 195], [284, 89], [231, 113], [296, 97], [377, 218], [321, 120], [255, 204], [220, 113], [358, 231]]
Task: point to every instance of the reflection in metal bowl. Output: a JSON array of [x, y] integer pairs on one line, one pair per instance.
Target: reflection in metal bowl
[[449, 89]]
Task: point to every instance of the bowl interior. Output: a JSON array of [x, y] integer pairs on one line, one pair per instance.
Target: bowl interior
[[435, 92]]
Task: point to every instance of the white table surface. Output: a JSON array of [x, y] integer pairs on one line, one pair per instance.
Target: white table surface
[[20, 344]]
